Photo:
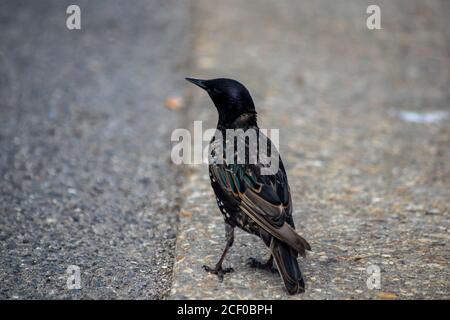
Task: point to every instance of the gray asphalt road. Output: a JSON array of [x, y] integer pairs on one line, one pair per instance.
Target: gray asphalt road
[[84, 167]]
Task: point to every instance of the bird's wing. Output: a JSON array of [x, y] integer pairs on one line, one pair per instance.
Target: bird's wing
[[264, 198]]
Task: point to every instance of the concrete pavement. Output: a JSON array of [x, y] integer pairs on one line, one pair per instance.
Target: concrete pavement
[[85, 168], [370, 186]]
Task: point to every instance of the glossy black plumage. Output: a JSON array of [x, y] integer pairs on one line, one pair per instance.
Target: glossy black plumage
[[257, 203]]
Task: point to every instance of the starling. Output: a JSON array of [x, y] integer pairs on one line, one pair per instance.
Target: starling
[[255, 202]]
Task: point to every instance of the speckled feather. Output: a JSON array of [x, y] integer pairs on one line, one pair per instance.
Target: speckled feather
[[258, 204]]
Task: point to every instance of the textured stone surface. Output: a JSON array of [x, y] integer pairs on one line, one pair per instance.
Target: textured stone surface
[[85, 175], [368, 187]]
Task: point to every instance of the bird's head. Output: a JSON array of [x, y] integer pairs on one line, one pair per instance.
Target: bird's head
[[230, 97]]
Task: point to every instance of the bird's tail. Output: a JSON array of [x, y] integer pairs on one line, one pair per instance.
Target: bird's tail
[[286, 261]]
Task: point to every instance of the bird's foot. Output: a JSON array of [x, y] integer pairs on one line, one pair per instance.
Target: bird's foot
[[218, 270], [255, 263]]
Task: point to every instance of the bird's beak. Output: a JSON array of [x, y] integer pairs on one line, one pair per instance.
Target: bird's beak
[[198, 82]]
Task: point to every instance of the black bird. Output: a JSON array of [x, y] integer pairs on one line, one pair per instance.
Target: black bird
[[257, 203]]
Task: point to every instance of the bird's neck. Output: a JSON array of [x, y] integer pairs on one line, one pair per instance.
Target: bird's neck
[[243, 121]]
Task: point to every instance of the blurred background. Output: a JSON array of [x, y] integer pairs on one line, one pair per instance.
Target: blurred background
[[85, 146], [85, 123]]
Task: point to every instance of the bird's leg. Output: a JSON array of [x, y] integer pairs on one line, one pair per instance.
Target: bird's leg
[[268, 265], [218, 270]]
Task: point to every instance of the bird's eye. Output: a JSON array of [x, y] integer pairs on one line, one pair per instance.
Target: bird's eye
[[216, 90]]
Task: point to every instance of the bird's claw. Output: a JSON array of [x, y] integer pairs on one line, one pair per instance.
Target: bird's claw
[[218, 270], [255, 263]]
